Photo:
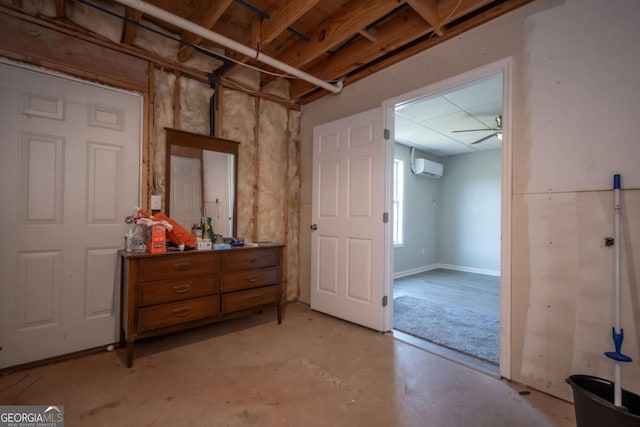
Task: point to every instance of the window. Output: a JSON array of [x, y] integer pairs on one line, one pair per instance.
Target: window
[[398, 202]]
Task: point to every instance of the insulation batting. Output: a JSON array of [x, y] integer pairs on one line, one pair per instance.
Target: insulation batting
[[163, 117], [156, 43], [194, 106], [203, 61], [238, 124], [272, 181], [97, 21], [37, 7], [247, 77], [279, 87]]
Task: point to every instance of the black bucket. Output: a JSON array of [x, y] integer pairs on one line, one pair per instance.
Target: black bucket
[[593, 398]]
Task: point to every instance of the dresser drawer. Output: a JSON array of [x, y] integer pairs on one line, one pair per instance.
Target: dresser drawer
[[159, 316], [172, 266], [250, 278], [237, 301], [250, 258], [176, 290]]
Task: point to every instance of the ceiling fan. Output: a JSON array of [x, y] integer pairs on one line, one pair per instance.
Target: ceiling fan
[[497, 131]]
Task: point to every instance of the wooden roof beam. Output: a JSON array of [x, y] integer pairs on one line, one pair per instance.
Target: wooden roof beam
[[428, 42], [130, 28], [288, 12], [393, 34], [450, 10], [371, 35], [206, 13], [428, 9], [336, 29]]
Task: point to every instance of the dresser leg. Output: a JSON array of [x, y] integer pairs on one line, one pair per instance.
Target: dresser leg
[[279, 310], [129, 354]]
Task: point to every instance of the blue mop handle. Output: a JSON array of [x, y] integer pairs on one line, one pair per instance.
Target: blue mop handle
[[616, 181]]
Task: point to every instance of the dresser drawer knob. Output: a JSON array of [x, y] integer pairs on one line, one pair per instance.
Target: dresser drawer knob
[[182, 266], [251, 259], [181, 312], [252, 279], [253, 298], [181, 289]]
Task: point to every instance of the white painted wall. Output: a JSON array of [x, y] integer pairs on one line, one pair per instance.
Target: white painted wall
[[462, 230], [576, 95], [420, 247], [469, 220]]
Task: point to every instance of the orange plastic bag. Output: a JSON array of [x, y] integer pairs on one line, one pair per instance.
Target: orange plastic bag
[[179, 235]]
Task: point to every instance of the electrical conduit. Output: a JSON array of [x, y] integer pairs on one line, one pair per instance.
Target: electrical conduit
[[205, 33]]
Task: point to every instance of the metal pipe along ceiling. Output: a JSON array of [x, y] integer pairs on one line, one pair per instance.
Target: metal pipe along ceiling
[[205, 33]]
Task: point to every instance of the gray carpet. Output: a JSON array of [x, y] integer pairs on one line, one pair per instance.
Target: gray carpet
[[466, 331]]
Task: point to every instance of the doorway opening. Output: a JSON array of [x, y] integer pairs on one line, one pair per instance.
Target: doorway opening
[[449, 255]]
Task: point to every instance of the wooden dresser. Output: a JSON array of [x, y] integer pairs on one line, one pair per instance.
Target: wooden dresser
[[169, 292]]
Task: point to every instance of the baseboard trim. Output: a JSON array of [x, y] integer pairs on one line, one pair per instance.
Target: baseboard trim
[[413, 271], [470, 269], [419, 270]]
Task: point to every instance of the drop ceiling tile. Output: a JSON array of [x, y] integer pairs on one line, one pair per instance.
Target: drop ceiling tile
[[455, 121], [426, 108], [478, 92], [487, 113]]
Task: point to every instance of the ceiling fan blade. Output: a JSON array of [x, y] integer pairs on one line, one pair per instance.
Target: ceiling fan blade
[[476, 130], [485, 138]]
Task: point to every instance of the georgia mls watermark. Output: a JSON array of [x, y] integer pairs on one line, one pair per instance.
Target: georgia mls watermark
[[31, 416]]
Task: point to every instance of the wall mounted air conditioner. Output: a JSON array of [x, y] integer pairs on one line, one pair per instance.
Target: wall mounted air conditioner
[[427, 168]]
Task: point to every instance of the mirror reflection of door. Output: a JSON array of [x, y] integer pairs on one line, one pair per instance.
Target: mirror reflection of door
[[186, 190], [218, 196]]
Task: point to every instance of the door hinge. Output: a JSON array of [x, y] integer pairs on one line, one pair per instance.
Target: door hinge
[[385, 217], [385, 301], [387, 134]]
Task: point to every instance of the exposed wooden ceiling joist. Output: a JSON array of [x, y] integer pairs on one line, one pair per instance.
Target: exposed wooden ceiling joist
[[206, 14], [328, 39], [130, 28], [337, 29], [428, 9], [395, 33], [287, 13]]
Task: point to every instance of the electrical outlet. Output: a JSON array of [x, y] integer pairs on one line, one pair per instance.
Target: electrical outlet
[[156, 202]]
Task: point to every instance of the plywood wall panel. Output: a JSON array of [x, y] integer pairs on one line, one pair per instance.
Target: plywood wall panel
[[563, 284], [582, 98], [68, 54]]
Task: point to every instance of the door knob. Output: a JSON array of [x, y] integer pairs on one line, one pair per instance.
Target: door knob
[[314, 226]]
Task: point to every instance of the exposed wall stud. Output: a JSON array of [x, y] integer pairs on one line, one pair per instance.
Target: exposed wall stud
[[256, 168], [176, 101]]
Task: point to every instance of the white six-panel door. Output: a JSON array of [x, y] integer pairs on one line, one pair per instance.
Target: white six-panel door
[[69, 174], [347, 248]]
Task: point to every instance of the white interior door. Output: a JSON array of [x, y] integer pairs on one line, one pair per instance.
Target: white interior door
[[347, 247], [69, 174], [186, 190]]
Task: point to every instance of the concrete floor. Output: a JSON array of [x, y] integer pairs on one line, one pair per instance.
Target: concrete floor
[[313, 370]]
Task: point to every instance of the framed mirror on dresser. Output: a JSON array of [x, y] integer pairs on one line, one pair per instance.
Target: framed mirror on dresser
[[201, 173]]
